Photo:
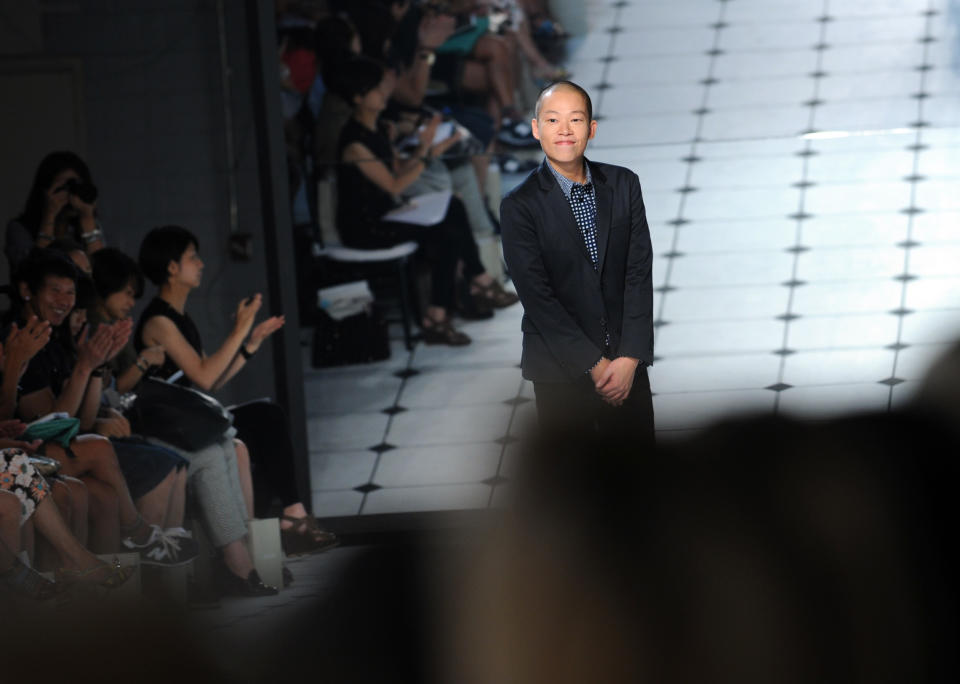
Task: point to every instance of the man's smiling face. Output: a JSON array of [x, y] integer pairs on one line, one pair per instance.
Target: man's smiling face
[[563, 126]]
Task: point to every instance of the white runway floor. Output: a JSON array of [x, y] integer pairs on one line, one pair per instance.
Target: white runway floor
[[800, 162]]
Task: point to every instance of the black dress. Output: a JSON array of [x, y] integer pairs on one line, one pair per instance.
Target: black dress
[[361, 204], [261, 425]]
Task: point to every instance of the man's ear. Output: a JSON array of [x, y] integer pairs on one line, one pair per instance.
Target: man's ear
[[593, 129], [24, 291], [173, 268], [535, 128]]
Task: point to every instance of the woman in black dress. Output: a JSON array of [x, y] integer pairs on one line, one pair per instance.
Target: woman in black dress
[[369, 178]]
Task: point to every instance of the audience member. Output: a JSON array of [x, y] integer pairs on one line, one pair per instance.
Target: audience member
[[369, 178], [219, 474], [62, 203], [24, 494], [169, 258], [67, 379]]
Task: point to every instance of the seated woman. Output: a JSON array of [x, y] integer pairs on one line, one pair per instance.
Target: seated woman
[[62, 203], [69, 493], [24, 493], [218, 475], [369, 179], [143, 464], [63, 379], [169, 258]]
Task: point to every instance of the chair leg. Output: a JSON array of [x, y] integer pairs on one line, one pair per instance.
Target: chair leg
[[405, 308]]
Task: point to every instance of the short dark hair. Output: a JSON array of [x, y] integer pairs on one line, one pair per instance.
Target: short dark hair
[[113, 271], [161, 246], [356, 76], [570, 85], [40, 264]]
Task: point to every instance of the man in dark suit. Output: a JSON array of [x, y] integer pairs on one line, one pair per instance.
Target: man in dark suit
[[576, 241]]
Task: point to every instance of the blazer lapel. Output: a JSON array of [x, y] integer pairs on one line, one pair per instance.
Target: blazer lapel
[[604, 197], [562, 212]]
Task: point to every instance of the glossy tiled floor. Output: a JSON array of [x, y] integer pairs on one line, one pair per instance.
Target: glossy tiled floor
[[800, 163]]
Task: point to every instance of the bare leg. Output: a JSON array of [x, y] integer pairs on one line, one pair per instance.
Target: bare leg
[[70, 495], [94, 458], [246, 476], [52, 526], [27, 539], [490, 70], [45, 556], [104, 516], [9, 528], [481, 163], [154, 504], [178, 501], [237, 559], [79, 508]]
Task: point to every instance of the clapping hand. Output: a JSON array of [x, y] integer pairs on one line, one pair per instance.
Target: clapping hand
[[93, 350], [247, 312], [11, 429], [264, 330], [23, 344], [120, 334]]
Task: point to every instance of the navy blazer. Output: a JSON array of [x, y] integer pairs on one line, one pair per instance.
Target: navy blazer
[[566, 302]]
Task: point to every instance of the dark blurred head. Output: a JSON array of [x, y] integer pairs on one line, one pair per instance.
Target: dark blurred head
[[161, 246], [45, 284], [74, 251], [118, 280], [376, 25], [336, 40], [356, 77], [55, 169]]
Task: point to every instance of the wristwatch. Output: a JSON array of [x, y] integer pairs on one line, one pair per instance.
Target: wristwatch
[[428, 56]]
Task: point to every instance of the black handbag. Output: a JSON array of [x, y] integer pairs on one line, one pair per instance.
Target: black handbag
[[178, 415], [359, 338]]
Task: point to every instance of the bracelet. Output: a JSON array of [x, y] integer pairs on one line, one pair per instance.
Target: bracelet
[[145, 367], [245, 353], [93, 236], [97, 372], [47, 236]]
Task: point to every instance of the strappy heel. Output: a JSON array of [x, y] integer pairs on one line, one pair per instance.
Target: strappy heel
[[116, 575], [306, 536], [495, 295], [441, 332]]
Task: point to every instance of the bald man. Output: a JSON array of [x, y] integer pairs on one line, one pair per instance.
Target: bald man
[[576, 241]]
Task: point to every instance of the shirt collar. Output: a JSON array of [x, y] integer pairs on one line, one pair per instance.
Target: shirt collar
[[565, 183]]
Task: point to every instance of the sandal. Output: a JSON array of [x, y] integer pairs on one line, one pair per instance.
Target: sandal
[[496, 295], [116, 575], [441, 332], [306, 536]]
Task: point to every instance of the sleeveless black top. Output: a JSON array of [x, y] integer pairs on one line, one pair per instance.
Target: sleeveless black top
[[360, 201], [185, 325]]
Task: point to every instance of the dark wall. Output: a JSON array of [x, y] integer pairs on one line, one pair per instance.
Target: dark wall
[[155, 140]]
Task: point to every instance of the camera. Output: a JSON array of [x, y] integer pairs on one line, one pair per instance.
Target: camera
[[87, 192]]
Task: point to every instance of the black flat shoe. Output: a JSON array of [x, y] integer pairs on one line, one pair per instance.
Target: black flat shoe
[[230, 584]]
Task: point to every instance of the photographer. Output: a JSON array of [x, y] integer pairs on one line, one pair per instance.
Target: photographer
[[62, 203]]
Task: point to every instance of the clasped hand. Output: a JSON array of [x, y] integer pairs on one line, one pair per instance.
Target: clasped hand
[[613, 380]]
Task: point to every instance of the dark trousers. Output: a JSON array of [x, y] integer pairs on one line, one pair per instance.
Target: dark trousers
[[443, 246], [264, 428], [576, 408]]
